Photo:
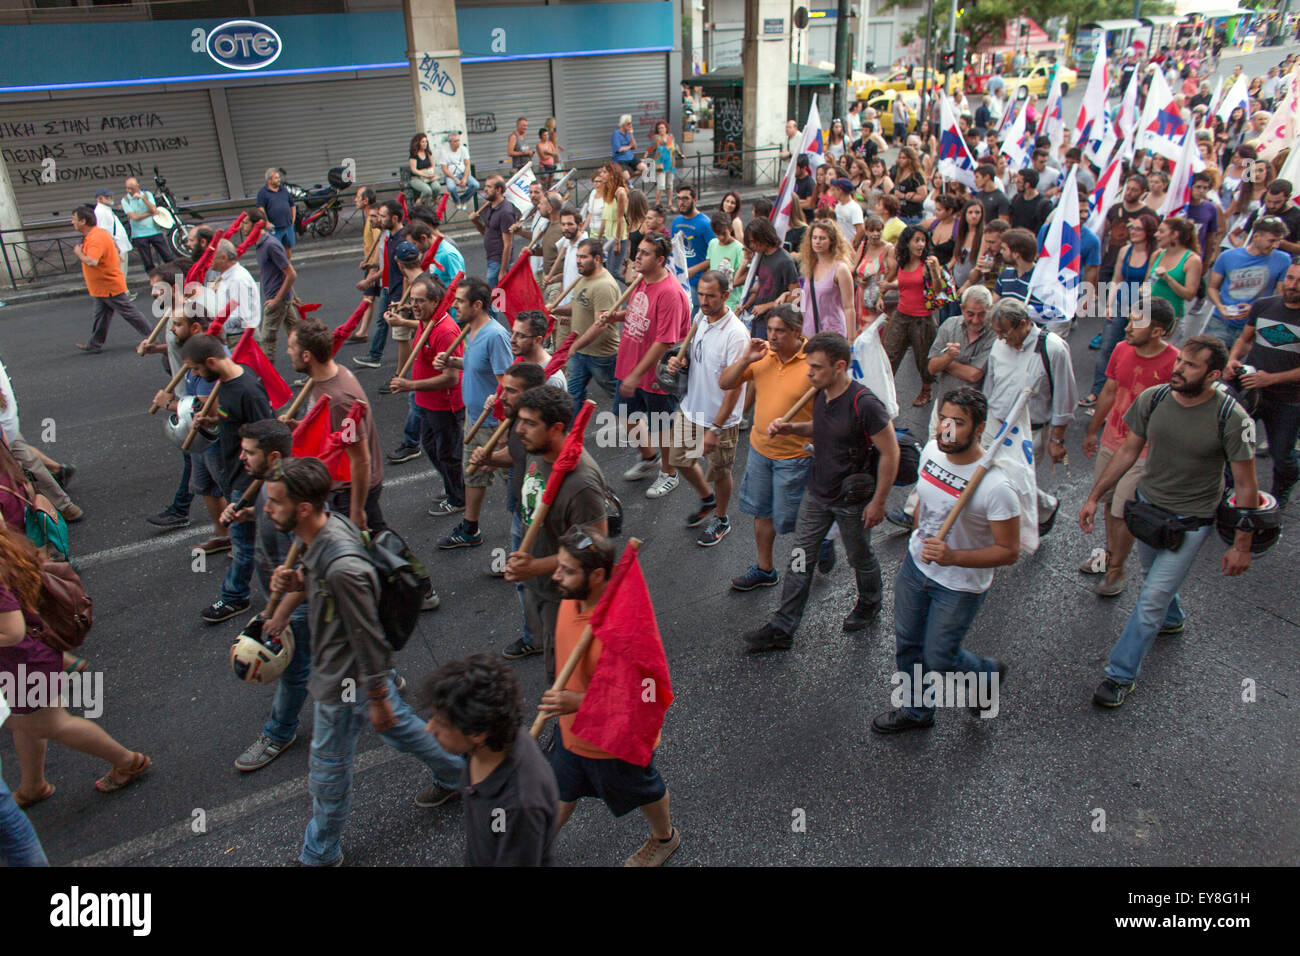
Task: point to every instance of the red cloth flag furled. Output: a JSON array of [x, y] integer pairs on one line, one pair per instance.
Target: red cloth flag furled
[[314, 439], [217, 324], [344, 331], [441, 211], [433, 251], [200, 268], [569, 454], [306, 309], [520, 290], [249, 353], [557, 362], [622, 711], [401, 201], [250, 238]]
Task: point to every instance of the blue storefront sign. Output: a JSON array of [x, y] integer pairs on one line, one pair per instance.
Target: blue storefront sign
[[181, 51]]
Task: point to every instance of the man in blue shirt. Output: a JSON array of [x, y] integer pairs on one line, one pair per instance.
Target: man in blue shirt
[[274, 202], [487, 356], [1240, 276], [146, 235], [277, 277], [622, 147], [696, 233]]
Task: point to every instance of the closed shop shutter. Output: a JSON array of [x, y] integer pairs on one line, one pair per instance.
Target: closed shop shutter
[[99, 141], [496, 95], [308, 128], [602, 88]]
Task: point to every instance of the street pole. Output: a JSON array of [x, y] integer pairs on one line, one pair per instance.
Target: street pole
[[952, 23], [922, 119], [842, 58]]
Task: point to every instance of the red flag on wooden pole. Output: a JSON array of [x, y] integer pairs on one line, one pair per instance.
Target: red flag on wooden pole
[[344, 331], [249, 353], [521, 292], [200, 268], [250, 238], [314, 439]]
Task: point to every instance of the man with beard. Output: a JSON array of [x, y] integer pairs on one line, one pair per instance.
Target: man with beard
[[942, 582], [1190, 428], [590, 357], [351, 661], [564, 271], [526, 336], [263, 445], [241, 399], [584, 563]]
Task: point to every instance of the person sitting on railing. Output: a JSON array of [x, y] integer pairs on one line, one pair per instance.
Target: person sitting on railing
[[454, 163], [622, 144], [425, 180]]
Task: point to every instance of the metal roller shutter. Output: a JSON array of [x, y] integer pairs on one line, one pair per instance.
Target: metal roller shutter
[[308, 128], [634, 83], [101, 141], [497, 94]]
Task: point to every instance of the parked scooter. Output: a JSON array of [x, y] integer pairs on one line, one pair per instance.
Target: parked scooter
[[168, 215], [318, 207]]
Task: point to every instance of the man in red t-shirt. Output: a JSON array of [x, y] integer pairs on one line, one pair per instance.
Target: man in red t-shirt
[[657, 317], [1142, 360], [437, 394]]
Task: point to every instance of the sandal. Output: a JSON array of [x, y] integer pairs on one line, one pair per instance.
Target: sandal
[[1088, 401], [110, 781], [79, 665], [25, 802], [923, 399]]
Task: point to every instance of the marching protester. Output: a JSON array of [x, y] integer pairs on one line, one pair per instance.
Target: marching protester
[[235, 291], [776, 277], [493, 220], [855, 461], [943, 581], [526, 337], [351, 661], [915, 273], [104, 280], [1240, 276], [591, 358], [106, 220], [277, 277], [389, 278], [52, 484]]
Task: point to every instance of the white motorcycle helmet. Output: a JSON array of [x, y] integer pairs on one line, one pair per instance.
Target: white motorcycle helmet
[[259, 659], [178, 425]]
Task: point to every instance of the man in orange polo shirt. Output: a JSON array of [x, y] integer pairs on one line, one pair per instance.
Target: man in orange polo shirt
[[584, 564], [104, 280]]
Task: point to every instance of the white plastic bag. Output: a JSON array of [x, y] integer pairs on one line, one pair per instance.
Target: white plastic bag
[[871, 366]]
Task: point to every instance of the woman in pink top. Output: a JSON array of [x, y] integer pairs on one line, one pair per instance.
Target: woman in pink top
[[826, 284], [912, 323]]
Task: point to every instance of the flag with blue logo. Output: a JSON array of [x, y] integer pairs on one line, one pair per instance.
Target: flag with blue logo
[[1126, 118], [1104, 196], [1052, 123], [677, 263], [1012, 451], [955, 159], [1055, 279], [1017, 144], [811, 146], [1161, 126], [1093, 107]]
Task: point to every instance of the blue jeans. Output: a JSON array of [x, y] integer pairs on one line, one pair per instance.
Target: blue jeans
[[1282, 425], [458, 194], [1112, 333], [1222, 331], [930, 622], [333, 747], [1157, 604], [493, 271], [184, 497], [291, 689], [411, 430], [19, 844], [517, 537], [379, 338], [235, 587], [581, 369]]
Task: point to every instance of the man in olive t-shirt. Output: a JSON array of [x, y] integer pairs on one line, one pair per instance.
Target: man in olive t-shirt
[[595, 292]]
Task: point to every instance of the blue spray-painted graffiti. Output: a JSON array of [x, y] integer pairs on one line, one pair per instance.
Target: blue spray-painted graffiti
[[433, 77]]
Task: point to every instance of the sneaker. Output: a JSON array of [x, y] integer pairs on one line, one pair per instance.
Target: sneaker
[[717, 529], [520, 649], [1172, 630], [261, 752], [72, 514], [826, 557], [976, 709], [900, 518], [701, 511], [861, 617], [404, 452], [223, 611], [1111, 693], [461, 537], [65, 475], [365, 361], [755, 577], [654, 852], [1111, 585], [215, 545], [431, 602], [399, 683], [169, 519], [435, 795], [895, 722], [662, 485], [1045, 525], [1282, 498], [644, 468], [768, 638], [1095, 343], [444, 507]]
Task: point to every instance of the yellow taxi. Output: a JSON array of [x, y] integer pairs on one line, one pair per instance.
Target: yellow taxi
[[1034, 78], [910, 79], [882, 101]]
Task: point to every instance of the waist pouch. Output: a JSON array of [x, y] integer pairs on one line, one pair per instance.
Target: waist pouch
[[1159, 527], [857, 489]]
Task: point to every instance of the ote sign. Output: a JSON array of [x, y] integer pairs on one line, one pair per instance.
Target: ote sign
[[243, 45]]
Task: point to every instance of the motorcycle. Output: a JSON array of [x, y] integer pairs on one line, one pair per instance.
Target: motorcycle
[[318, 207], [168, 215]]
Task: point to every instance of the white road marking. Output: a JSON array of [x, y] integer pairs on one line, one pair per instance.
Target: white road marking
[[138, 548]]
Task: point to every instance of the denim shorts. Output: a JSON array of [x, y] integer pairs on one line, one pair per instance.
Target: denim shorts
[[772, 488], [203, 473], [647, 403], [623, 786], [286, 234]]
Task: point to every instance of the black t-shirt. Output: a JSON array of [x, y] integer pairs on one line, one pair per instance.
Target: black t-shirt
[[794, 237], [1277, 344], [775, 273], [1289, 215], [1030, 213], [995, 203], [909, 208], [495, 223], [803, 187], [840, 443], [240, 401], [1116, 236]]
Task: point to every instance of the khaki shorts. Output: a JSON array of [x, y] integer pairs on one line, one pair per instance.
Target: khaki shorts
[[400, 333], [1125, 489], [480, 478], [687, 437]]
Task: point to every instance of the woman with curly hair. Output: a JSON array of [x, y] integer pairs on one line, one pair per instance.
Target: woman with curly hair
[[826, 283], [22, 657], [614, 217]]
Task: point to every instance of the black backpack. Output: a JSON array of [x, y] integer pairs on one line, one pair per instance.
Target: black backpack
[[909, 449], [403, 578]]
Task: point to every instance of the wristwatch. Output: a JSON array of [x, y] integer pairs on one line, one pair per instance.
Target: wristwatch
[[716, 430], [1056, 441]]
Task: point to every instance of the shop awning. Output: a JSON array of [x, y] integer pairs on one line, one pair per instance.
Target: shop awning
[[1161, 20], [1219, 13], [722, 81], [1114, 24]]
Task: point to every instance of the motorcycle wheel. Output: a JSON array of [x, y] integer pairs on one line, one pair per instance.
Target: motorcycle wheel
[[176, 239], [327, 223]]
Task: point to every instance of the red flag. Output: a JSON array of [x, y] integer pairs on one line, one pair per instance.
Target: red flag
[[615, 714], [219, 322], [383, 254], [520, 290], [561, 356], [314, 439], [250, 238], [200, 268], [569, 454], [442, 207], [401, 201], [307, 309], [344, 331], [433, 251], [247, 352]]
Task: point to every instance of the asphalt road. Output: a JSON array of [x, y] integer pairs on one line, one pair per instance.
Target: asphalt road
[[1186, 772]]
